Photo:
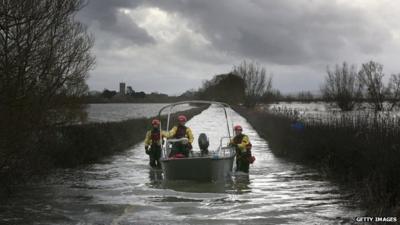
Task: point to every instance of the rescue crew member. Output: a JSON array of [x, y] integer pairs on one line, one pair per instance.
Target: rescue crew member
[[181, 131], [152, 143], [243, 150]]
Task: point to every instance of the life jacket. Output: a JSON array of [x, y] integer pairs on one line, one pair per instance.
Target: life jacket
[[155, 136], [180, 132], [238, 139], [249, 157]]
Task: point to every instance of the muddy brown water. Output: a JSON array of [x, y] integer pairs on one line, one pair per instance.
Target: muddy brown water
[[124, 190]]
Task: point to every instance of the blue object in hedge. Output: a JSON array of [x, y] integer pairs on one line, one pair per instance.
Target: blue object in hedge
[[297, 126]]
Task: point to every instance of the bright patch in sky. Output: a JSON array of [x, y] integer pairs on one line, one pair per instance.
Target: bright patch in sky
[[172, 46]]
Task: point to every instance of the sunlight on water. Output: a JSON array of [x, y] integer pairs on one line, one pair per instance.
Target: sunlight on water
[[212, 122], [124, 190]]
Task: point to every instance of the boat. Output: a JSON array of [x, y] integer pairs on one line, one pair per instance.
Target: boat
[[206, 165]]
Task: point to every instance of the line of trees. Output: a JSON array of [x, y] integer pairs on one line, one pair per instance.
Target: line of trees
[[346, 86], [111, 93], [44, 63], [228, 88], [257, 83], [131, 96], [247, 83]]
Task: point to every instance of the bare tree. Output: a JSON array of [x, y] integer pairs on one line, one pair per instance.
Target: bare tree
[[44, 55], [370, 77], [306, 96], [44, 63], [393, 91], [341, 87], [257, 83], [228, 88]]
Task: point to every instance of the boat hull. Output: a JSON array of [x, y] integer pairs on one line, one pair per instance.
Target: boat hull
[[199, 168]]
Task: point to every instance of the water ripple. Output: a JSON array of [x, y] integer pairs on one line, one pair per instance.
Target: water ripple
[[124, 190]]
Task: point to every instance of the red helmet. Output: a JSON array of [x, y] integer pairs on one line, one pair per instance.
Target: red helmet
[[238, 127], [182, 118], [155, 122]]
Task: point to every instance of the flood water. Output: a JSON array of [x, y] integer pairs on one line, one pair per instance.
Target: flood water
[[122, 111], [322, 111], [124, 190]]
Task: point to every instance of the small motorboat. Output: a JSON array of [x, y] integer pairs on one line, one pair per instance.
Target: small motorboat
[[205, 165]]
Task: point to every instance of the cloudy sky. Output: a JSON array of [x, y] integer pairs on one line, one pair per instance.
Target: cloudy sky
[[171, 46]]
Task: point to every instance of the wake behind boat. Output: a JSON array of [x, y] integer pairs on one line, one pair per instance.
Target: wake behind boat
[[204, 165]]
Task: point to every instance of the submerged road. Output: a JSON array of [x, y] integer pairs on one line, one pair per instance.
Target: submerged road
[[124, 190]]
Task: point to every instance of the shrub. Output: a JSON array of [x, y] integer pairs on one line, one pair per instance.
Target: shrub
[[355, 151]]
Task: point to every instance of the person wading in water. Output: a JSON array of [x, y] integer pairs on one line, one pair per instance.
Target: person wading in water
[[243, 150], [180, 149], [152, 143]]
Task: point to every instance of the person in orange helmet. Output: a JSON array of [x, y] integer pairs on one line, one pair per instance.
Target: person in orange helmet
[[181, 131], [152, 143], [243, 150]]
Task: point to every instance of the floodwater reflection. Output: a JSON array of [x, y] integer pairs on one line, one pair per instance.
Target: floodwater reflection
[[125, 190]]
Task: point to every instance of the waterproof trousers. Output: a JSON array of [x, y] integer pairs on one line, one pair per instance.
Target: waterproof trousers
[[155, 154]]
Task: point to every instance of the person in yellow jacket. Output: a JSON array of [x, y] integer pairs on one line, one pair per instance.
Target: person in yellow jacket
[[152, 143], [243, 150], [181, 131]]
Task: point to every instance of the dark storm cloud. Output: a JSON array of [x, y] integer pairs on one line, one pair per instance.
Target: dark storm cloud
[[187, 41], [107, 16], [284, 31]]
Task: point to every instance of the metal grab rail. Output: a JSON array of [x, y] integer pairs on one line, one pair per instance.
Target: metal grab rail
[[223, 138], [171, 106], [173, 140], [223, 148]]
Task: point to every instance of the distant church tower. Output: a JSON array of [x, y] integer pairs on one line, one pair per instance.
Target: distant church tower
[[122, 88]]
